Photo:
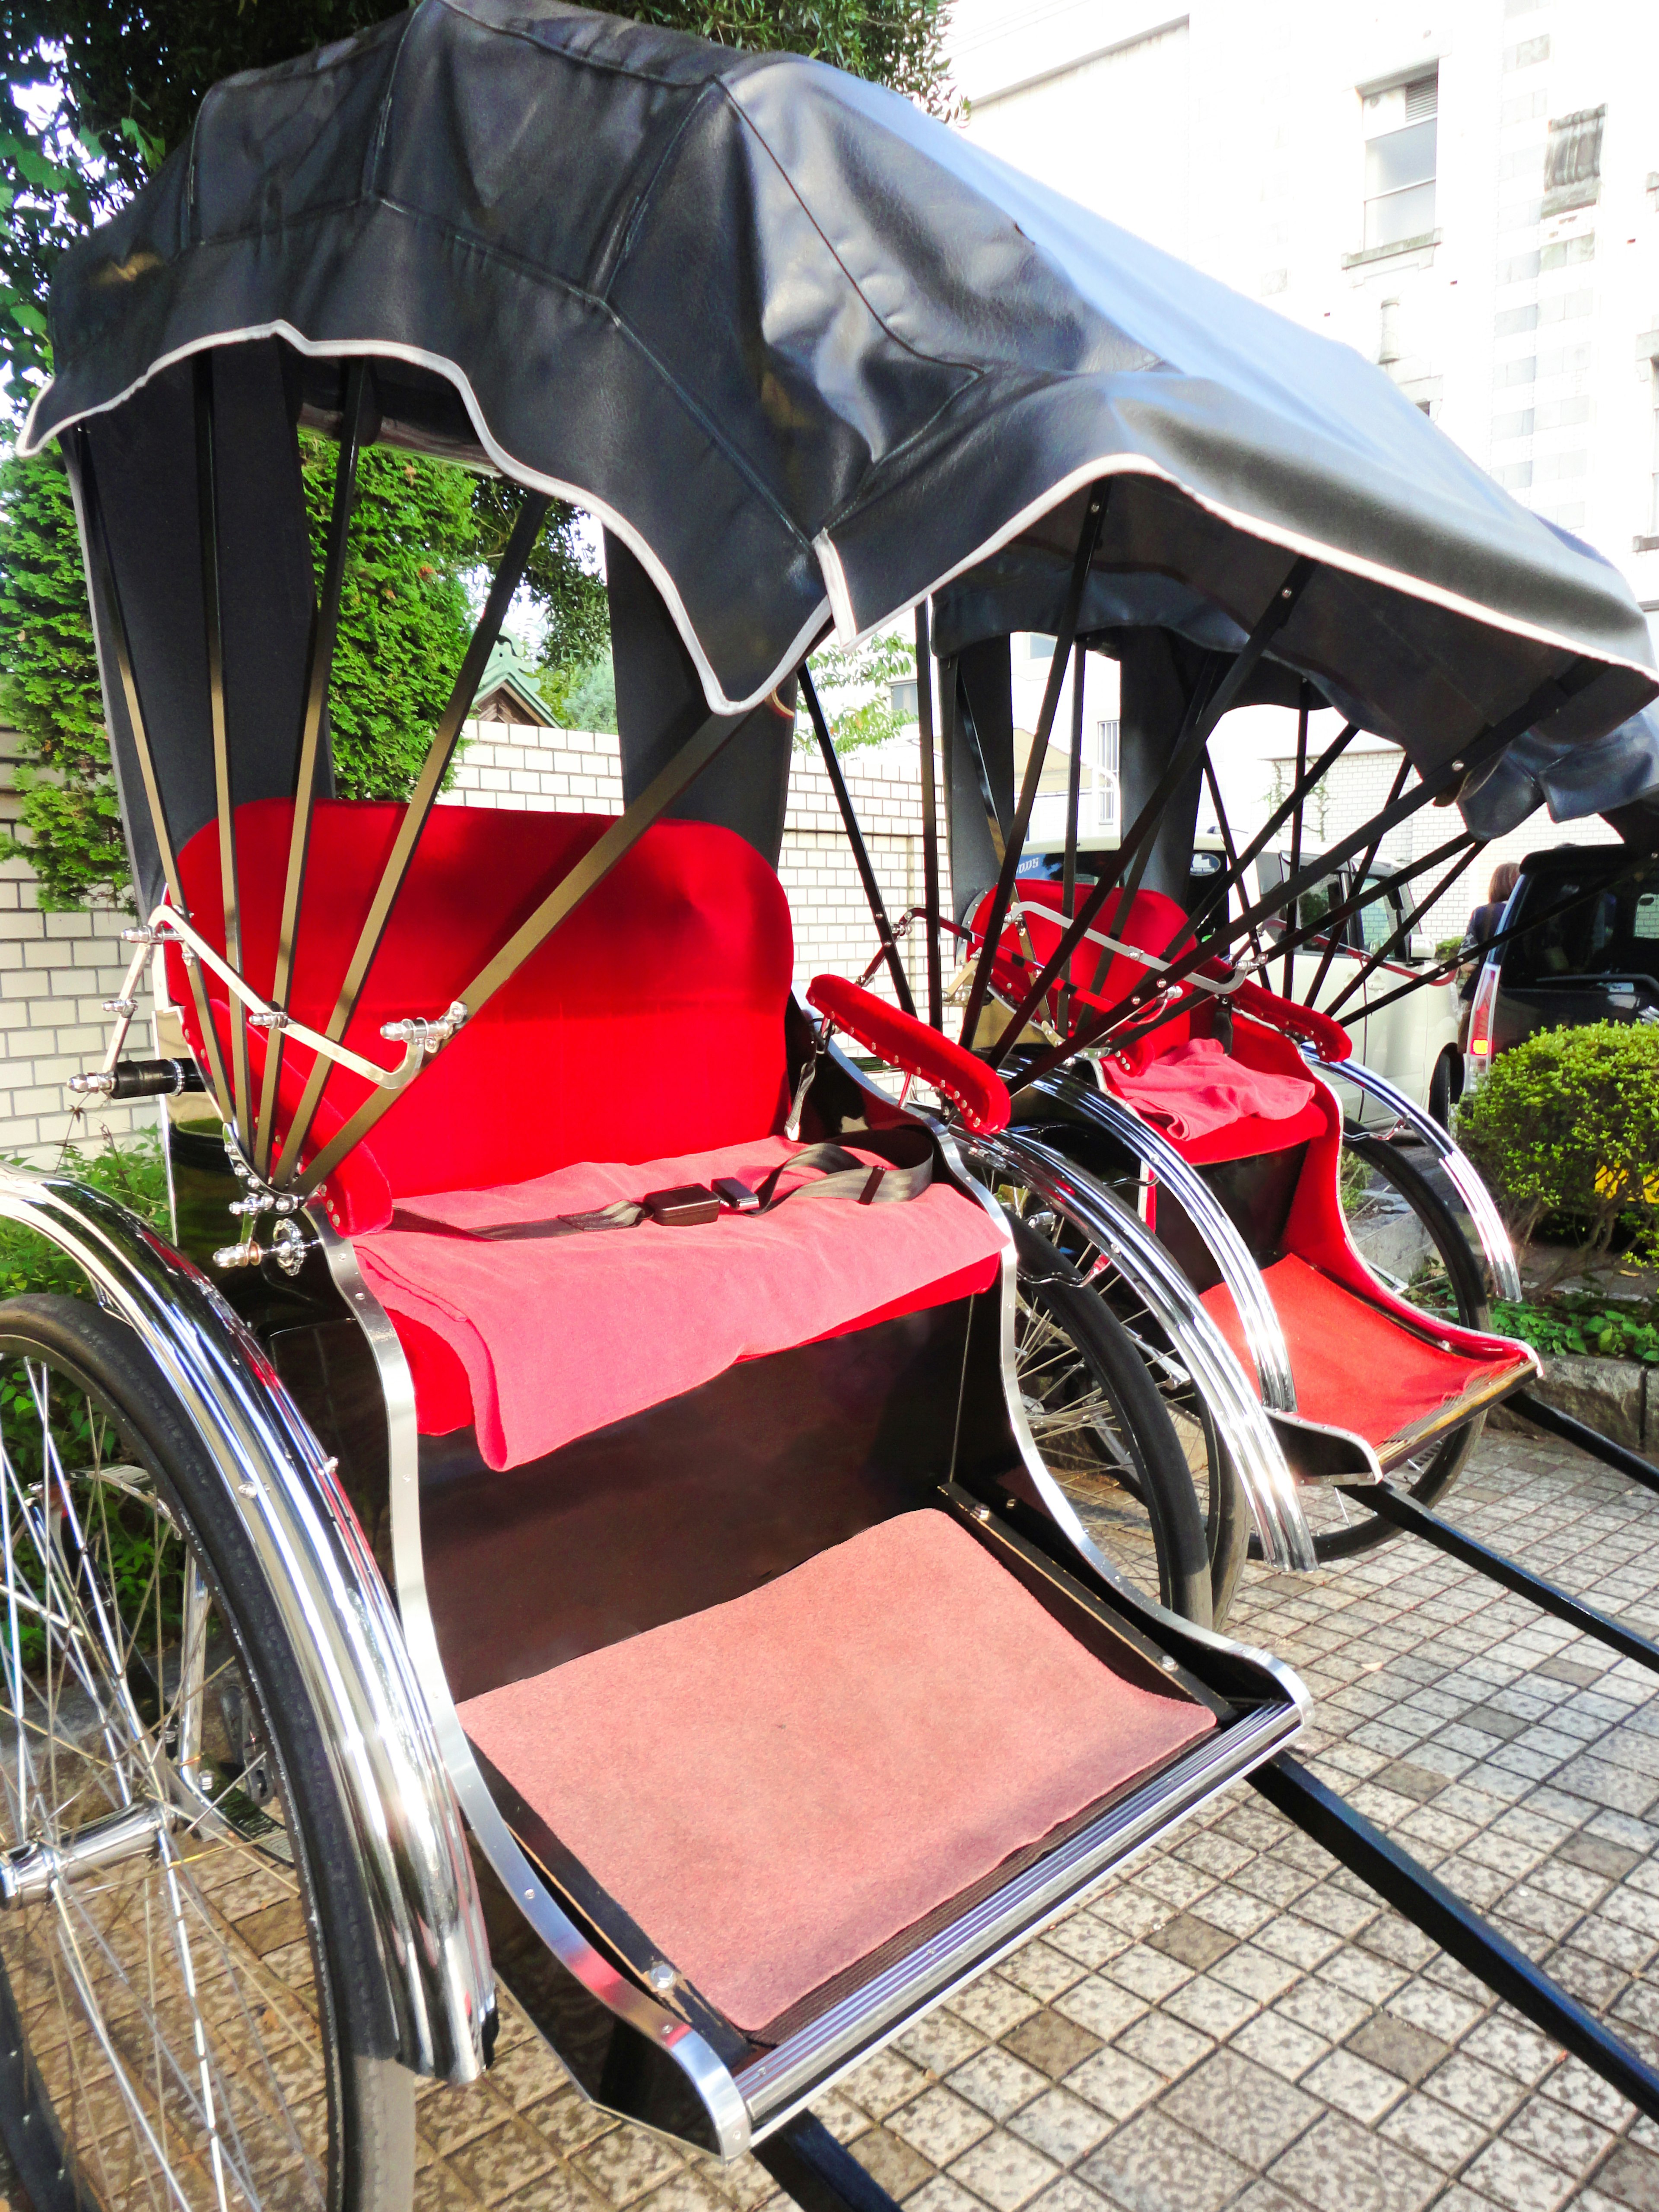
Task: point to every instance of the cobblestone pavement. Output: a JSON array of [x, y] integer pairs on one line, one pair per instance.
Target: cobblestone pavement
[[1235, 2022]]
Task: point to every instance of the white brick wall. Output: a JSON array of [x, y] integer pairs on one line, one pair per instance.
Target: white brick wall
[[56, 969]]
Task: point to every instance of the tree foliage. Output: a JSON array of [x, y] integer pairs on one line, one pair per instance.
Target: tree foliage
[[855, 689], [69, 823]]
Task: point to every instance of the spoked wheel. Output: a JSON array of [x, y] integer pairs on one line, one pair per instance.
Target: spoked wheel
[[1340, 1527], [1115, 1433], [190, 2007]]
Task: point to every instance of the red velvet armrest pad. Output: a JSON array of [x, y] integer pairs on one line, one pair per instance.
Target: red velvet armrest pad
[[1328, 1038], [905, 1043]]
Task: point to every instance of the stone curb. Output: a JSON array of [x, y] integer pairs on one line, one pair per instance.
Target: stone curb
[[1619, 1397]]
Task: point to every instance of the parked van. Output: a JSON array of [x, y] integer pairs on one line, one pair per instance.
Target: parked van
[[1591, 955]]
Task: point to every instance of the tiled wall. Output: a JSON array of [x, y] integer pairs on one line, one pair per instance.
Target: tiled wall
[[56, 969]]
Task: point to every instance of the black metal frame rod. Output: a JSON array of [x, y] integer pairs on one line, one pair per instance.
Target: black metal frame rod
[[509, 575], [1531, 922], [1308, 936], [1074, 779], [821, 2174], [103, 562], [1396, 791], [325, 628], [1391, 945], [1403, 1882], [1585, 1438], [207, 514], [688, 761], [1094, 519], [929, 815], [1550, 696], [1300, 814], [856, 838], [1203, 718], [1224, 826], [1392, 1505], [1217, 893]]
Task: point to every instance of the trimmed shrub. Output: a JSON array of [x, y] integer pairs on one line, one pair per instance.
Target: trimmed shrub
[[1565, 1130]]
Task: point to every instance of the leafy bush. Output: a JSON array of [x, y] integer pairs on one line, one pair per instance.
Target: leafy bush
[[135, 1174], [1565, 1129]]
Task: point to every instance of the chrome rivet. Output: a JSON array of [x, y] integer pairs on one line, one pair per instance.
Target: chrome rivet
[[981, 1512], [660, 1974], [1168, 1664], [1457, 766], [248, 1489]]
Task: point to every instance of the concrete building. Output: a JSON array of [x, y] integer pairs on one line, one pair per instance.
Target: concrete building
[[1465, 192]]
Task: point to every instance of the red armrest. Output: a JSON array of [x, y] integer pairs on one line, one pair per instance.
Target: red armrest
[[1328, 1038], [905, 1043]]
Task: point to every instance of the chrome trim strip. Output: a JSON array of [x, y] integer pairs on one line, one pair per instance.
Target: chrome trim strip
[[370, 1717], [1460, 1167], [786, 2080], [1144, 1263], [708, 2076], [1257, 1316]]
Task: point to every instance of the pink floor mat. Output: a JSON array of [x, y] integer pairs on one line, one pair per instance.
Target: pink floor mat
[[774, 1787]]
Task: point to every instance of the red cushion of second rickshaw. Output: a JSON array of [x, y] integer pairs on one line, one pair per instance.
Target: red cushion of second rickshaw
[[651, 1023]]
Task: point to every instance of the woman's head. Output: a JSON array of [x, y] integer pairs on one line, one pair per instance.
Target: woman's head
[[1504, 878]]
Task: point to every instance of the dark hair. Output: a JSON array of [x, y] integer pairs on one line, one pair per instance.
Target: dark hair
[[1504, 878]]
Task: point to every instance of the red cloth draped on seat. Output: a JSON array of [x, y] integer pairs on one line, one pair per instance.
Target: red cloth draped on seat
[[646, 1036]]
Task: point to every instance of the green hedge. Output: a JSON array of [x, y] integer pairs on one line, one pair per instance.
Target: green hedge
[[1565, 1130], [134, 1173]]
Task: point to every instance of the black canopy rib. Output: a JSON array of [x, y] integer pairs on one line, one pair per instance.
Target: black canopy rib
[[1082, 560], [98, 546], [560, 902], [890, 950], [1390, 948], [207, 508], [1300, 814], [509, 575], [1074, 780], [929, 816], [1401, 776], [1546, 700], [1201, 720], [325, 629], [1225, 827], [1217, 893], [1444, 968], [1123, 1038]]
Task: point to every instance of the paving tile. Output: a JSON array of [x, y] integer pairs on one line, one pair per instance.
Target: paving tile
[[1242, 2108], [1168, 2045], [941, 2041], [1052, 2043], [623, 2164], [1354, 2086], [1062, 2125], [1104, 2007], [998, 2082], [1431, 2130], [1192, 1942], [1630, 2177], [896, 2166], [1572, 2141], [939, 2124], [1118, 2083], [885, 2082], [1151, 2165], [506, 2159], [1006, 2173], [1396, 2045], [1280, 2043], [1513, 2177], [1341, 2167]]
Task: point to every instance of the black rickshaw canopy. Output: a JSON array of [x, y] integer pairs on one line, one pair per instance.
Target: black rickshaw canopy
[[810, 356]]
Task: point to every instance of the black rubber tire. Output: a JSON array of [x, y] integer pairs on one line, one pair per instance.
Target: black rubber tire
[[1466, 1272], [1440, 1091], [1165, 1482], [371, 2095]]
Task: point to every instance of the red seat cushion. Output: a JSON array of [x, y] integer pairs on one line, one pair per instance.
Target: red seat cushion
[[651, 1023], [775, 1787], [1360, 1368], [558, 1336]]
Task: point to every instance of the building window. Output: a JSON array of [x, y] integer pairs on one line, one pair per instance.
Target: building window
[[1400, 129], [1039, 646], [905, 705], [1572, 162]]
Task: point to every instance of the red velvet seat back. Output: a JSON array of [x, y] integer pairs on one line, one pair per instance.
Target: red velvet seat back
[[650, 1023]]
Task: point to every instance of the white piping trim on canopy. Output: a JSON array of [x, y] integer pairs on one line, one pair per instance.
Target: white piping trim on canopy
[[517, 472], [838, 599]]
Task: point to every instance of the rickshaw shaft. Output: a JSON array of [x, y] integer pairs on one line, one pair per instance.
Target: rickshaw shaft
[[1400, 1881], [1406, 1513], [809, 2165], [1587, 1440]]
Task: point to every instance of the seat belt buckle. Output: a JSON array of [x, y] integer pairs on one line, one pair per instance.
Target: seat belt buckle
[[687, 1206], [736, 1196]]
